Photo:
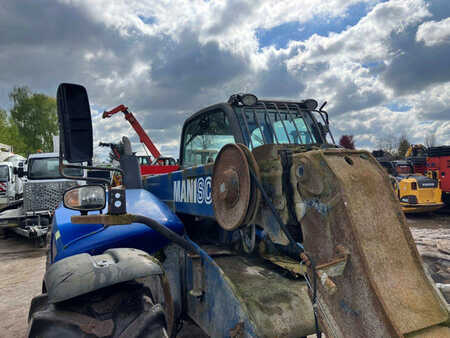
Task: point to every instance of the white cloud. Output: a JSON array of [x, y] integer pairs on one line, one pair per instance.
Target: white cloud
[[166, 59], [434, 32]]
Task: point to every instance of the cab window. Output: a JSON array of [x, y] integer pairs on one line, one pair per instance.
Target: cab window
[[144, 160], [285, 131], [204, 137]]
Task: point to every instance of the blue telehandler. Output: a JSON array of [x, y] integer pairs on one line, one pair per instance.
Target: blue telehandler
[[267, 230]]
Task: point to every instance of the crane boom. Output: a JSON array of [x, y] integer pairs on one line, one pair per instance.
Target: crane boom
[[143, 137]]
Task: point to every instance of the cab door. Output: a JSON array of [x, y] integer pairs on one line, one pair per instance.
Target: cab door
[[188, 191], [203, 137]]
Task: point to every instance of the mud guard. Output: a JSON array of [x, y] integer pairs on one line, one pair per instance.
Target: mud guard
[[83, 273], [371, 282]]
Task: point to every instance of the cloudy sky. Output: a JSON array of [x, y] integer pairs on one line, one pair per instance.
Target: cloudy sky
[[383, 66]]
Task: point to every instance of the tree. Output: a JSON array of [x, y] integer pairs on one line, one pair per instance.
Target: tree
[[33, 119], [3, 121], [403, 145], [9, 134], [347, 142]]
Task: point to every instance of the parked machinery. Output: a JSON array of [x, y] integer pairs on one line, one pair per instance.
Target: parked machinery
[[161, 164], [417, 156], [42, 193], [417, 193], [438, 163], [265, 231]]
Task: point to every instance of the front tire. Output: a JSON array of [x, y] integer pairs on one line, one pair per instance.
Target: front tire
[[122, 310]]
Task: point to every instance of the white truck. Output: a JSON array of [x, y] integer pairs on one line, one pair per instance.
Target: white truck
[[11, 186], [42, 193]]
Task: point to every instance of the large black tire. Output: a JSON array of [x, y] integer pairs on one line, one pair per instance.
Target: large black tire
[[446, 198], [123, 310]]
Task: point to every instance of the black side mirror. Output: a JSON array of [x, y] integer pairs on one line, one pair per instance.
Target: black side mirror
[[75, 123], [20, 171], [15, 170]]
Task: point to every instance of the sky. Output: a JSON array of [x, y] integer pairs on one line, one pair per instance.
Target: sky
[[382, 66]]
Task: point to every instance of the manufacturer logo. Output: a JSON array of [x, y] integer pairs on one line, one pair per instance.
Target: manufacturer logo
[[193, 190]]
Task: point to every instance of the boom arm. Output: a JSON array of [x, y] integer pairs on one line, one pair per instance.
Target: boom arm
[[143, 137], [113, 148]]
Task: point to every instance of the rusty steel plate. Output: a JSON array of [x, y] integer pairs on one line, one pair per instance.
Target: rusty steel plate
[[255, 194], [231, 186]]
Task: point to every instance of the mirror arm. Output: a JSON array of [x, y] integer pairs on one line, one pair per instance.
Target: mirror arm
[[326, 120], [62, 166]]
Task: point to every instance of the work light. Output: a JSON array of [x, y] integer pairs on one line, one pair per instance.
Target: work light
[[248, 99]]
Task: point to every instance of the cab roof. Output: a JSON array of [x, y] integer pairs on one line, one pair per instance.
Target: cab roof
[[43, 155]]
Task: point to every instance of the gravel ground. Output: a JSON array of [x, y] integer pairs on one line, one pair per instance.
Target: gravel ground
[[21, 273], [22, 269]]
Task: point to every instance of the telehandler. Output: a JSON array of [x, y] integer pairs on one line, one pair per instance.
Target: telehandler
[[267, 230]]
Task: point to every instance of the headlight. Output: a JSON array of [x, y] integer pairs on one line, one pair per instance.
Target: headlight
[[410, 199], [311, 104], [85, 198]]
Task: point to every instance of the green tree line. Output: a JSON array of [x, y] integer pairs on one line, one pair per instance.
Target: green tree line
[[31, 123]]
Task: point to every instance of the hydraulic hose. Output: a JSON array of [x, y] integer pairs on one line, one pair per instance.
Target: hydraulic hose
[[166, 232]]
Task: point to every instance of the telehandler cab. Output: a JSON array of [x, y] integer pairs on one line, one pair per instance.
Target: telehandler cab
[[265, 231]]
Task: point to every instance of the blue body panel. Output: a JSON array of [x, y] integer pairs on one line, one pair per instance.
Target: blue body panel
[[72, 239], [186, 191]]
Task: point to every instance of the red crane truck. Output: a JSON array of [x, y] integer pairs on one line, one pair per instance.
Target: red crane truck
[[160, 165]]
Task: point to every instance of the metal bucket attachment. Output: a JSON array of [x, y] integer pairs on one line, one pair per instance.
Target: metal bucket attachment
[[370, 278]]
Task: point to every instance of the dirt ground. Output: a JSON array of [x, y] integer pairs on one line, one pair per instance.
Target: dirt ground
[[21, 273], [22, 269]]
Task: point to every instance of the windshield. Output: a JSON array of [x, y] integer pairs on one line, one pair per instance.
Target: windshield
[[4, 173], [266, 126], [48, 168]]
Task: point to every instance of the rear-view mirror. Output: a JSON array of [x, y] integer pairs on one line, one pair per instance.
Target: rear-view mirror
[[20, 171], [75, 123]]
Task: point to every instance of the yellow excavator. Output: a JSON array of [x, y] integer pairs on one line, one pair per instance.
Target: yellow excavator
[[417, 193]]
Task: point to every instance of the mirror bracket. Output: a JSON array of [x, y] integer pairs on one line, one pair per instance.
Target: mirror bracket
[[63, 166], [117, 204]]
